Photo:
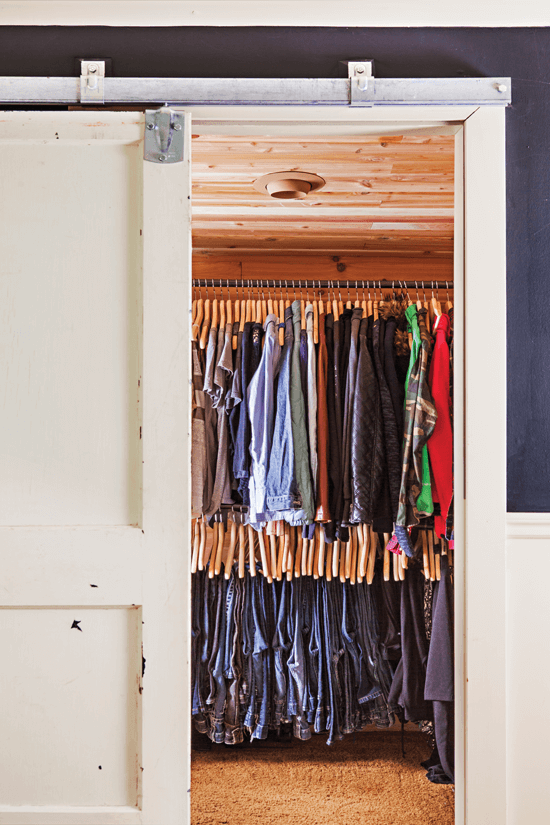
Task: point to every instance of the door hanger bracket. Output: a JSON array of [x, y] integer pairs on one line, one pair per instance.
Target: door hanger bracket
[[163, 142], [361, 82]]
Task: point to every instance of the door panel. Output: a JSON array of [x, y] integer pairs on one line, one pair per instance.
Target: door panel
[[69, 700], [69, 333], [94, 466]]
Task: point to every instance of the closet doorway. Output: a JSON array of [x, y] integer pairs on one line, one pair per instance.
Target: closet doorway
[[360, 229]]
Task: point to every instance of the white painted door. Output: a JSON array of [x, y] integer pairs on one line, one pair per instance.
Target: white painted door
[[94, 465]]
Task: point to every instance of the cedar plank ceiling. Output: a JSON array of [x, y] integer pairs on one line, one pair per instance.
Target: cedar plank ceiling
[[383, 196]]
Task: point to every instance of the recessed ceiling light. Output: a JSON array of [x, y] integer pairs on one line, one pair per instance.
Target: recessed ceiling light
[[288, 185]]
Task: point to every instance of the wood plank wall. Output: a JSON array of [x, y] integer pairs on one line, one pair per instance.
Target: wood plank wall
[[322, 267]]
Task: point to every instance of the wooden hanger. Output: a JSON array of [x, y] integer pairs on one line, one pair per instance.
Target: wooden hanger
[[273, 558], [215, 314], [286, 545], [251, 539], [364, 304], [340, 304], [353, 570], [386, 558], [250, 307], [197, 321], [347, 560], [322, 551], [242, 547], [425, 554], [205, 324], [222, 315], [259, 311], [291, 534], [329, 551], [213, 548], [281, 550], [196, 545], [335, 558], [448, 305], [432, 556], [219, 549], [231, 551], [401, 558], [263, 555], [305, 556], [364, 547], [202, 545], [298, 556], [315, 305], [234, 337], [344, 552], [252, 553], [316, 543], [373, 547], [395, 567]]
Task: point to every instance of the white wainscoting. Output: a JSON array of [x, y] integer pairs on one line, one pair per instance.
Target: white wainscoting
[[527, 667]]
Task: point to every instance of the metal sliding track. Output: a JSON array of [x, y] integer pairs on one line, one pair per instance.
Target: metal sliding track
[[93, 88]]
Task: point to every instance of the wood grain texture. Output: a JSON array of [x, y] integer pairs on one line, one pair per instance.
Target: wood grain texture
[[382, 194], [322, 267]]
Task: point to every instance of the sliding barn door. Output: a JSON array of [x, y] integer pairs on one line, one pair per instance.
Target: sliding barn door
[[94, 472]]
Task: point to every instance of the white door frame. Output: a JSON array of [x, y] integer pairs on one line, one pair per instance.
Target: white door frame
[[165, 580], [480, 407]]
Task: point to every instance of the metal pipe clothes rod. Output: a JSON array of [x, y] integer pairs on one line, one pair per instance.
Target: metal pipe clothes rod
[[315, 283]]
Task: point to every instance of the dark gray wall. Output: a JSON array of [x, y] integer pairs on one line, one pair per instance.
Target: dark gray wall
[[523, 54]]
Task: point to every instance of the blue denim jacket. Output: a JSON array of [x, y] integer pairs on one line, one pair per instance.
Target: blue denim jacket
[[261, 411], [282, 494]]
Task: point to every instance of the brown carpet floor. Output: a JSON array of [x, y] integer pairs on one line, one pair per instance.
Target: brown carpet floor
[[362, 780]]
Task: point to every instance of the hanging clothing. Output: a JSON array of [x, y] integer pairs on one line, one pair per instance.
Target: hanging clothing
[[382, 519], [282, 495], [392, 438], [440, 444], [299, 429], [198, 447], [242, 434], [349, 403], [344, 433], [261, 411], [410, 676], [334, 458], [312, 399], [305, 652], [420, 418], [322, 503], [367, 448], [223, 371], [439, 686]]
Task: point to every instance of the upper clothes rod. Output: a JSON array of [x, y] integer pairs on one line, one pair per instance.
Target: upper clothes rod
[[316, 283]]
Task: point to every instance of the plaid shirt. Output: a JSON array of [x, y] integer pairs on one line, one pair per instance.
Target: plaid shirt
[[420, 418]]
